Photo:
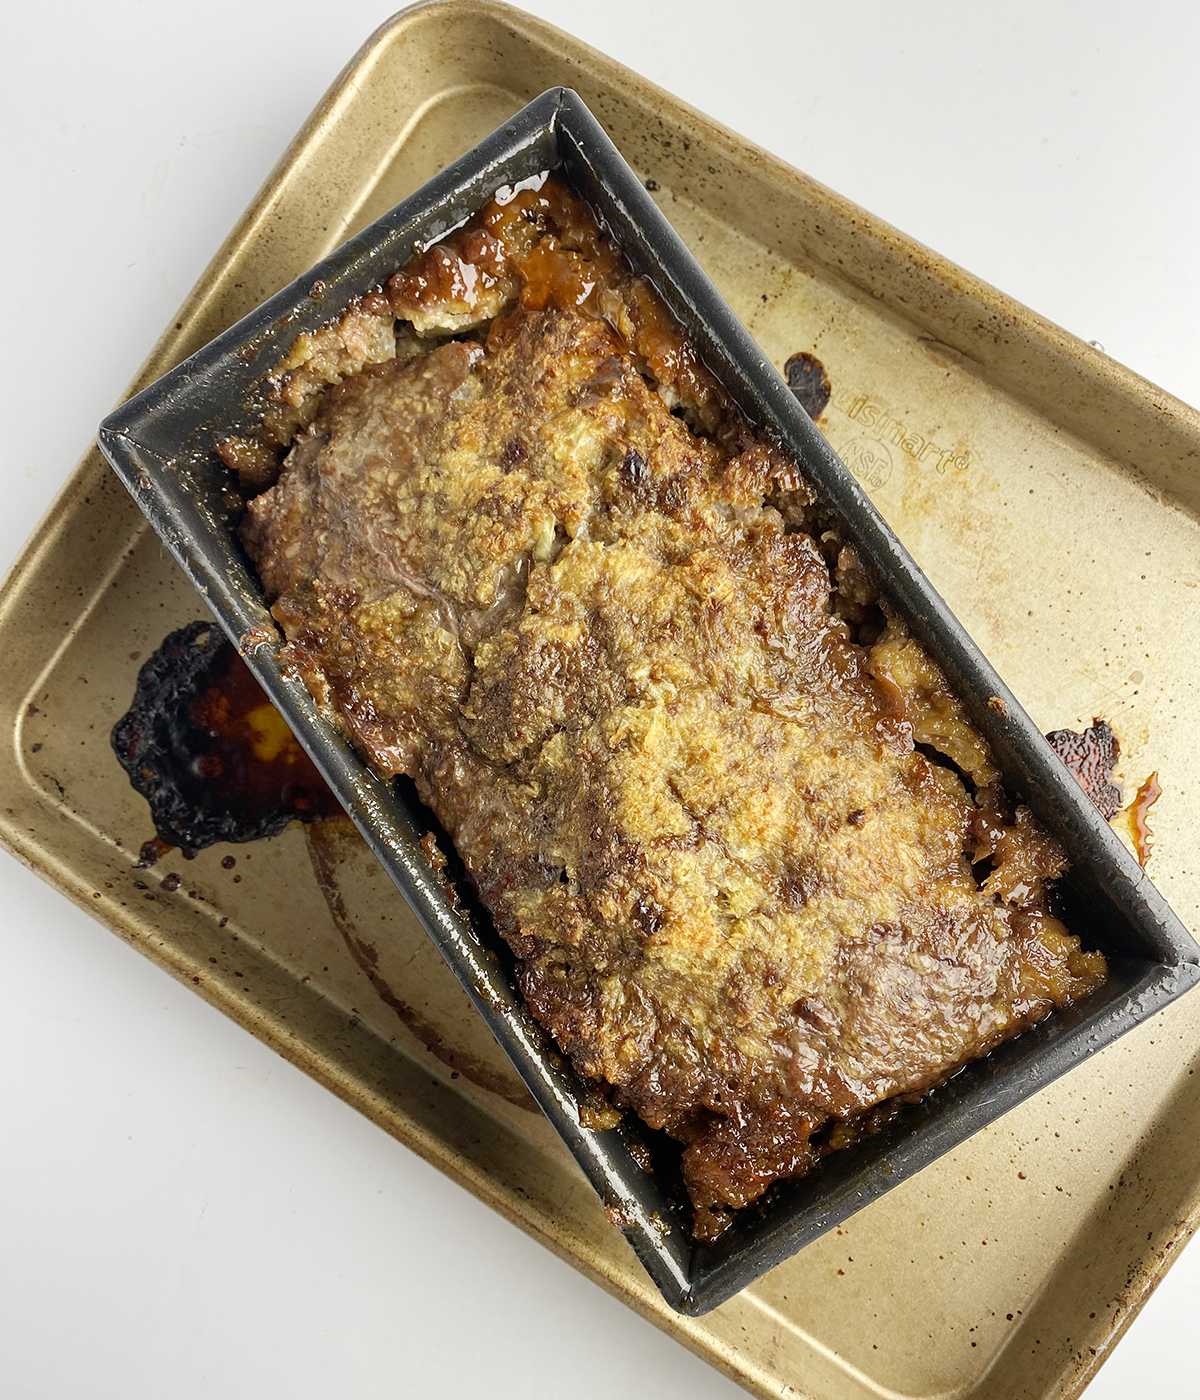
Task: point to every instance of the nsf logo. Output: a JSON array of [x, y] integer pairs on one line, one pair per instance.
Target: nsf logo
[[869, 460]]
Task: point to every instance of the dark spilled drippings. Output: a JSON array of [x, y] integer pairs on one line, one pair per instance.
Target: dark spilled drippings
[[808, 381], [209, 752], [1090, 758], [152, 851]]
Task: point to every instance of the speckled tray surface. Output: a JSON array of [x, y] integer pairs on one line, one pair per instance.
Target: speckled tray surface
[[978, 429]]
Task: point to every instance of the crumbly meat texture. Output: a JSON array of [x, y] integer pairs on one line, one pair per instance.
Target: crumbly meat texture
[[668, 726]]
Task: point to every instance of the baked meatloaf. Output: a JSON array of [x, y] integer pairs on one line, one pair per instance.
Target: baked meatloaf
[[756, 867]]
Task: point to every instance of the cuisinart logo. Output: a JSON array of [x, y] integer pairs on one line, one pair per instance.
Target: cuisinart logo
[[868, 454]]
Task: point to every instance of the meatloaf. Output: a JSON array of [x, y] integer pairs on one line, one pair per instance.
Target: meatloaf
[[757, 869]]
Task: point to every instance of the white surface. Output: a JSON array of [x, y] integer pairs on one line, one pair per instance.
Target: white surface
[[181, 1213]]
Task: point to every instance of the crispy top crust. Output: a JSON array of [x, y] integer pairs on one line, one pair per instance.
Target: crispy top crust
[[680, 768]]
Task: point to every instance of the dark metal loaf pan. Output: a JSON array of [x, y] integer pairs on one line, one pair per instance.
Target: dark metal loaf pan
[[161, 445]]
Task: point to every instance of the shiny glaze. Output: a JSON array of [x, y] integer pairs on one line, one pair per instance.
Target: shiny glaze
[[1139, 826]]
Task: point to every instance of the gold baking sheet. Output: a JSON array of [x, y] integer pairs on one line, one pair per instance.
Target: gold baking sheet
[[1052, 497]]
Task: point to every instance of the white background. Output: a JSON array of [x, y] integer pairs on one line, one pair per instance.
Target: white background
[[181, 1213]]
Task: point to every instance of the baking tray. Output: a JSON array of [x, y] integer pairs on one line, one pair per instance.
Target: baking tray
[[973, 424], [161, 445]]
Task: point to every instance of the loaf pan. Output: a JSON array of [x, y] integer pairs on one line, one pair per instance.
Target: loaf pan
[[161, 442]]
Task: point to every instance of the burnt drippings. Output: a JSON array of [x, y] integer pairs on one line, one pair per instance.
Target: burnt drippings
[[808, 381], [209, 752], [152, 852], [1090, 758]]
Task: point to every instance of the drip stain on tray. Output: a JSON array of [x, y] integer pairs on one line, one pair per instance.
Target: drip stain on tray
[[1090, 758], [1139, 828], [333, 846], [808, 381], [209, 752]]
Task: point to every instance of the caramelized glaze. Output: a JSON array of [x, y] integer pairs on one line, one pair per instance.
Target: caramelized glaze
[[1139, 809]]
